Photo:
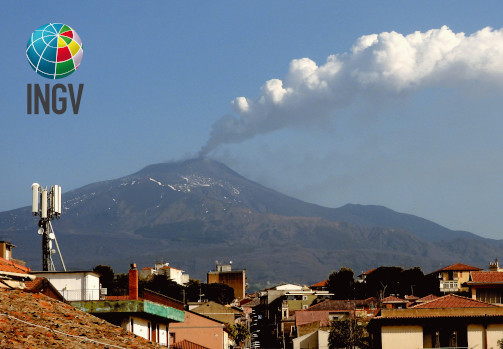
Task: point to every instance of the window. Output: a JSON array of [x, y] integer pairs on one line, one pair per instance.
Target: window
[[304, 298], [305, 306]]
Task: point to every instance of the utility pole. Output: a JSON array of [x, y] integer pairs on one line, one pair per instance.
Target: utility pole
[[47, 205]]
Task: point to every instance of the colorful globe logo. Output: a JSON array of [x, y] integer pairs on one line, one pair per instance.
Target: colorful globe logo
[[54, 50]]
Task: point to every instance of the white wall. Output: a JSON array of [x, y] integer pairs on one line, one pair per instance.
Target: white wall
[[494, 333], [75, 286], [475, 336], [402, 337], [140, 328]]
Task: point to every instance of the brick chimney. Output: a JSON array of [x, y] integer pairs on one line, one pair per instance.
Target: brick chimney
[[133, 282]]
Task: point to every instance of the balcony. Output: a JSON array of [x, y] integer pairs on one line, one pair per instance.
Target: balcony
[[449, 286], [82, 294]]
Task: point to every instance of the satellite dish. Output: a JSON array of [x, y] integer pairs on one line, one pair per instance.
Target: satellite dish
[[40, 231], [52, 236]]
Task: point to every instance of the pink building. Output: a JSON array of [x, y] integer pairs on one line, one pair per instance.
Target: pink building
[[209, 333]]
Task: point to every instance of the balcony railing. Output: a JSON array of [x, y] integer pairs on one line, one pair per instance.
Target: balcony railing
[[449, 286], [81, 295]]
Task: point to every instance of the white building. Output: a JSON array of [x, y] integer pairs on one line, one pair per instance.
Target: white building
[[74, 285], [174, 274]]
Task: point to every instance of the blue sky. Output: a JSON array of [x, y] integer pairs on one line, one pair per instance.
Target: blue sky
[[160, 76]]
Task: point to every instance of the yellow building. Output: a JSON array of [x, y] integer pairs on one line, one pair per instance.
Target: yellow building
[[447, 322], [454, 276]]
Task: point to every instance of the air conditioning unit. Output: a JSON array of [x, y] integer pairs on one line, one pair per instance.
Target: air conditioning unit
[[103, 291]]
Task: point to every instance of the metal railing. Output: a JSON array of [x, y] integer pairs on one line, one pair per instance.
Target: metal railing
[[81, 295]]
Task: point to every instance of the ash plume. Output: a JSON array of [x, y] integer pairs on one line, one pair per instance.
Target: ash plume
[[378, 66]]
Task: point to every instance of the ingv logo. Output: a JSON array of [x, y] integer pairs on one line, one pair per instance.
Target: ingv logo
[[54, 51]]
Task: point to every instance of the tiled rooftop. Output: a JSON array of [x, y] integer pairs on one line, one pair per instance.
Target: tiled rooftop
[[29, 320], [458, 267], [393, 299], [486, 277], [342, 304], [11, 267], [320, 284], [454, 301], [185, 344]]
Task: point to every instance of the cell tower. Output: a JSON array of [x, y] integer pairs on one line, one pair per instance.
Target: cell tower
[[49, 208]]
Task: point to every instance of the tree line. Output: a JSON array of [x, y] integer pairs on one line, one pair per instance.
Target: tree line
[[382, 282], [193, 291]]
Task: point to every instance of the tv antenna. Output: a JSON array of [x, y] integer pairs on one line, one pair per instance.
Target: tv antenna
[[49, 208]]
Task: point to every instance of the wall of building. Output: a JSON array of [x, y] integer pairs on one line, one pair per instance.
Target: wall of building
[[235, 279], [494, 333], [143, 328], [475, 336], [75, 286], [317, 339], [200, 330], [402, 337]]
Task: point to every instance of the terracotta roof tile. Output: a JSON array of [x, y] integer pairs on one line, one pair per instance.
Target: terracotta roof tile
[[486, 277], [320, 284], [393, 299], [454, 301], [342, 304], [427, 298], [12, 267], [185, 344], [32, 320], [458, 267]]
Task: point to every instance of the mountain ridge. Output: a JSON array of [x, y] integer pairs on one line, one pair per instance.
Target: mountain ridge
[[193, 212]]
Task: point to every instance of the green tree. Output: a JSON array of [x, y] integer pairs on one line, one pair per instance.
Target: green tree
[[239, 333], [342, 283], [347, 334], [107, 275], [219, 293], [163, 285]]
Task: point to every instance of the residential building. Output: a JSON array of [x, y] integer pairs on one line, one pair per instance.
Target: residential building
[[363, 276], [320, 286], [394, 302], [74, 285], [219, 312], [12, 273], [149, 316], [317, 339], [224, 274], [201, 330], [277, 309], [487, 286], [321, 315], [453, 277], [161, 268], [450, 321]]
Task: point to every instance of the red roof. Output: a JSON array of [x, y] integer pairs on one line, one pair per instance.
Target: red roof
[[458, 267], [427, 298], [486, 277], [393, 299], [320, 284], [185, 344], [454, 301], [370, 271], [11, 267]]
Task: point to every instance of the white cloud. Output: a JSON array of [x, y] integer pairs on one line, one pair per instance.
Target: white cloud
[[386, 64]]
